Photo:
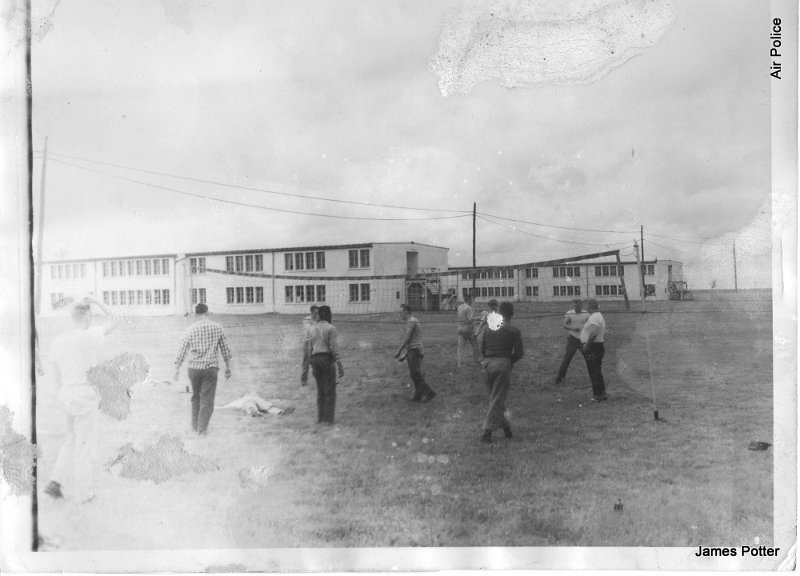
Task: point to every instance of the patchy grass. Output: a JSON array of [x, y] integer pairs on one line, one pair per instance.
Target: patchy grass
[[395, 473]]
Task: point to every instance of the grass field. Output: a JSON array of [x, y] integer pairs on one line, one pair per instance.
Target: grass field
[[396, 473]]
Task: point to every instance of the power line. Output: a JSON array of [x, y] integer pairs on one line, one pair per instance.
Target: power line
[[670, 249], [554, 226], [675, 239], [263, 190], [245, 204], [549, 238]]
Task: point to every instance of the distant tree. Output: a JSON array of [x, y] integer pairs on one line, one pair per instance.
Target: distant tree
[[713, 283]]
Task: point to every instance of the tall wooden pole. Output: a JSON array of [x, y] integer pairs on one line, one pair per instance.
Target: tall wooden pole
[[641, 271], [641, 238], [474, 214]]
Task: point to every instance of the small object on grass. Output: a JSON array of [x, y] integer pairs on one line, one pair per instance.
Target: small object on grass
[[618, 505], [402, 356], [758, 445]]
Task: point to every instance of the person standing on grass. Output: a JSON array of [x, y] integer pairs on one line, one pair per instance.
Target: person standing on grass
[[72, 355], [325, 363], [592, 338], [308, 322], [412, 344], [479, 332], [466, 331], [501, 349], [574, 321], [203, 340]]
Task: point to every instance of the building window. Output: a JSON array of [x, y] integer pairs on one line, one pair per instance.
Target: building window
[[299, 261], [310, 261], [353, 289], [566, 271], [364, 291], [148, 297], [250, 294], [157, 297], [288, 264], [555, 290], [165, 266], [240, 294], [198, 295], [147, 268], [310, 292], [531, 272], [68, 272], [76, 270], [365, 258], [503, 291], [511, 291], [229, 296], [165, 297], [531, 290], [289, 294], [197, 265], [105, 298], [259, 263], [229, 263], [484, 292], [105, 270], [649, 289], [299, 294], [157, 267], [648, 269], [113, 297], [320, 290], [259, 294], [240, 263], [577, 290], [353, 257], [320, 260], [248, 263]]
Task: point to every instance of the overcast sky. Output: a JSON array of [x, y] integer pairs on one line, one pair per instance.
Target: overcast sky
[[351, 100]]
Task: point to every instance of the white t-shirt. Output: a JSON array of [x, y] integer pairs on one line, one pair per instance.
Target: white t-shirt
[[576, 321], [75, 352], [595, 319]]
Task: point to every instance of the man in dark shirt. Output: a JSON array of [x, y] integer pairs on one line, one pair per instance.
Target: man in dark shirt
[[501, 348]]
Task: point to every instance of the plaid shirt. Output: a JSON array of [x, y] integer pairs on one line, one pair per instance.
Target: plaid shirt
[[202, 339]]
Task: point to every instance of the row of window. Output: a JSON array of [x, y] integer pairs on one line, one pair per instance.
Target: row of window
[[489, 291], [58, 300], [304, 261], [146, 267], [241, 263], [67, 271], [198, 296], [610, 270], [503, 273], [136, 297], [244, 295], [566, 290], [309, 293], [566, 271]]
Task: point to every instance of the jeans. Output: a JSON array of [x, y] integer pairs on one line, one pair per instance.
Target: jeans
[[204, 388], [324, 369], [594, 362], [573, 345], [414, 359], [498, 381]]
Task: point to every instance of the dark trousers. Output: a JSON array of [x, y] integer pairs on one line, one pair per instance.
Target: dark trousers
[[573, 345], [204, 388], [594, 362], [324, 369], [414, 359], [498, 380]]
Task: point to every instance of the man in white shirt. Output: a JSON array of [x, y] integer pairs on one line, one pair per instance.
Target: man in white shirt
[[592, 338], [72, 355], [466, 332], [574, 321]]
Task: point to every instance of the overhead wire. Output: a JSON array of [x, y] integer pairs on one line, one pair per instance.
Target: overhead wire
[[248, 205], [257, 189], [607, 244]]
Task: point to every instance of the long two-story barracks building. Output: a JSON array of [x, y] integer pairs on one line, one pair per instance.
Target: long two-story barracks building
[[352, 279]]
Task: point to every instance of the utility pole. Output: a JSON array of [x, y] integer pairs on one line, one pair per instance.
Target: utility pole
[[735, 280], [641, 271], [474, 214], [641, 237]]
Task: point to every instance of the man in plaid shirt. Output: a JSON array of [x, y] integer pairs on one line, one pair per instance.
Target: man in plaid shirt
[[202, 339]]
